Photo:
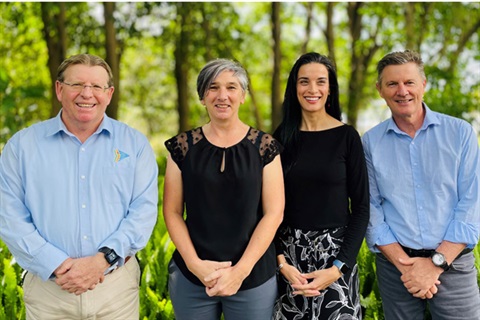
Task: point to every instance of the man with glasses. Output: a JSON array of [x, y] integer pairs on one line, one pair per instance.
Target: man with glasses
[[78, 199]]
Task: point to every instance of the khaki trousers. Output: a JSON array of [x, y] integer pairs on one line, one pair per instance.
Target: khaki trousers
[[117, 298]]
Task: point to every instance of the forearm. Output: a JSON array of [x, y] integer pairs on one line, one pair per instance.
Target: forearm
[[178, 232], [393, 252], [259, 242], [450, 250]]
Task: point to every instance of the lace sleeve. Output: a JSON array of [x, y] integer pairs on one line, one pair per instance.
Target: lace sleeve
[[178, 147], [269, 148]]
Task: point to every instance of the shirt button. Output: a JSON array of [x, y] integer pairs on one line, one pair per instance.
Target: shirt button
[[83, 206], [85, 237], [82, 177], [83, 149]]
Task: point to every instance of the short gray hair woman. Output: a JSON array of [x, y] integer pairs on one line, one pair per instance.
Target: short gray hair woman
[[213, 68]]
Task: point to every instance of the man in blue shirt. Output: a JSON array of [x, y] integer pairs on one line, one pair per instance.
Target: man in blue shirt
[[78, 199], [424, 177]]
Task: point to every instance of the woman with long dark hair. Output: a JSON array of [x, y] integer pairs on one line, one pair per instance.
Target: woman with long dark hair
[[327, 198]]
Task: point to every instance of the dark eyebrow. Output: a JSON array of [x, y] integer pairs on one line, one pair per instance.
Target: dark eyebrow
[[228, 83], [306, 78]]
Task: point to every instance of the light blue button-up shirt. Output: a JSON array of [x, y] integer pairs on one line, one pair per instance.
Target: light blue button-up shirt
[[426, 189], [60, 198]]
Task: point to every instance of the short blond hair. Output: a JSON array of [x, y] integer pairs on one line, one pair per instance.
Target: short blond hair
[[85, 59]]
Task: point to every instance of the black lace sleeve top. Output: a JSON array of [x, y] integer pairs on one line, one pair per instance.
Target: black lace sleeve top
[[222, 193]]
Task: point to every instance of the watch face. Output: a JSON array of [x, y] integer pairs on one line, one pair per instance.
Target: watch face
[[111, 256], [438, 259]]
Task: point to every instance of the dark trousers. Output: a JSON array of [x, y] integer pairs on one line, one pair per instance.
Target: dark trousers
[[191, 302], [458, 295]]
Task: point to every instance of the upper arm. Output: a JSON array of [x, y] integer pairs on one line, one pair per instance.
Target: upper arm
[[173, 189], [273, 192]]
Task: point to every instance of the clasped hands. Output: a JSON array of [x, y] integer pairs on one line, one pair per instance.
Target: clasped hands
[[310, 284], [82, 274], [219, 277], [420, 277]]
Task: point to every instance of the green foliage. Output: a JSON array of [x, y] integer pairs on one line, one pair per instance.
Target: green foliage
[[154, 260], [155, 302], [11, 293], [147, 33], [24, 80], [370, 296]]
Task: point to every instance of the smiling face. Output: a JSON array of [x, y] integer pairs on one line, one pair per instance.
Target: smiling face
[[83, 110], [402, 87], [224, 96], [313, 87]]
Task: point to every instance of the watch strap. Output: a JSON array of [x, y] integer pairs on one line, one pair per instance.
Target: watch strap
[[341, 266]]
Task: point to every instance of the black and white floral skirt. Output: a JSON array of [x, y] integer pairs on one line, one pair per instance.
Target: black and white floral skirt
[[309, 251]]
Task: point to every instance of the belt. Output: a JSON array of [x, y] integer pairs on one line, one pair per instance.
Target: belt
[[425, 253]]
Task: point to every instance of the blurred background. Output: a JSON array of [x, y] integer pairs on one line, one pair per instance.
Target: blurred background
[[156, 50]]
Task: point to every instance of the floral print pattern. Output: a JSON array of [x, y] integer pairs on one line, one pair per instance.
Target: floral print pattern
[[309, 251]]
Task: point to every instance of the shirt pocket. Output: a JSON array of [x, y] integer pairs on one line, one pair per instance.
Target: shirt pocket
[[117, 182]]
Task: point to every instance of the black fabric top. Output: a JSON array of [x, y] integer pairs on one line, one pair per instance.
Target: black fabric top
[[328, 187], [223, 201]]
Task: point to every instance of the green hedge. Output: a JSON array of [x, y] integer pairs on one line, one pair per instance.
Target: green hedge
[[153, 259], [154, 300]]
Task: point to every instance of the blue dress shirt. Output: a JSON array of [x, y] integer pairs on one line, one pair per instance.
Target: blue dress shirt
[[426, 189], [60, 198]]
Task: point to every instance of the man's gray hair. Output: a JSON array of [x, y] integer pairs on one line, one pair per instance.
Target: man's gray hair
[[399, 58]]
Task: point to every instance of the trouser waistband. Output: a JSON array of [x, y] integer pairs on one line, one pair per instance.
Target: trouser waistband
[[425, 253]]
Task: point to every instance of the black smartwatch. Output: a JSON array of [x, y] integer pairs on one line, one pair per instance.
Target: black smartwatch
[[439, 260], [341, 266], [110, 255]]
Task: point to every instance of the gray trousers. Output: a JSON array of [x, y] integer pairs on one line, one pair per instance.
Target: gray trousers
[[191, 302], [458, 295]]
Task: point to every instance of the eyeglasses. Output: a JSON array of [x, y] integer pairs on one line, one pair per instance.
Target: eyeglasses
[[78, 87]]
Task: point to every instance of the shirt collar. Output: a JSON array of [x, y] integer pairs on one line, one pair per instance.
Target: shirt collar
[[431, 119], [57, 126]]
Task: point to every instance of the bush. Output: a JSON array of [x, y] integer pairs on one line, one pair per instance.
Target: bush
[[154, 299]]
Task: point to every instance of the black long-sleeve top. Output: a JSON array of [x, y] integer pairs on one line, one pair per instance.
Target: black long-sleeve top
[[328, 187]]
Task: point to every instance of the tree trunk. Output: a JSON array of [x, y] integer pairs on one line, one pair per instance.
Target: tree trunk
[[53, 17], [329, 32], [181, 67], [308, 26], [112, 58], [410, 26], [277, 57], [361, 56]]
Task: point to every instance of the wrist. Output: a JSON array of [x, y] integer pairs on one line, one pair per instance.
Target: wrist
[[242, 271], [439, 260], [110, 255], [341, 266]]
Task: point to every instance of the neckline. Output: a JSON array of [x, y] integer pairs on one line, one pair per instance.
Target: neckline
[[228, 147], [324, 130]]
